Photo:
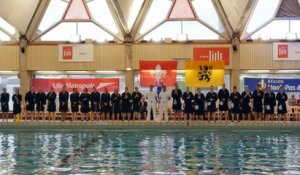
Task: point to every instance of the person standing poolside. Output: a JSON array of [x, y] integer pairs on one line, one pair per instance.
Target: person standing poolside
[[258, 96], [136, 98], [269, 104], [51, 107], [211, 98], [115, 102], [235, 98], [176, 95], [126, 104], [40, 104], [30, 101], [4, 104], [85, 104], [188, 98], [199, 104], [143, 108], [223, 95], [281, 97], [75, 100], [63, 103], [95, 104], [105, 105], [246, 101], [17, 99], [151, 98], [164, 97]]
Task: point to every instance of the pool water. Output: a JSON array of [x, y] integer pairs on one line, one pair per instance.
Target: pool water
[[150, 152]]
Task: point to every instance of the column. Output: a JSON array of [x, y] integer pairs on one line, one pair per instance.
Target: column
[[24, 75], [235, 62], [129, 73]]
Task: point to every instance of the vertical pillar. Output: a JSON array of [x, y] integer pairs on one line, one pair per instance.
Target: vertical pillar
[[129, 73], [235, 62], [24, 75]]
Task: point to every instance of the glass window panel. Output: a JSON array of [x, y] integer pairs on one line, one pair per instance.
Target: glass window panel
[[263, 12], [102, 15], [62, 32], [77, 10], [133, 12], [4, 37], [181, 10], [295, 27], [54, 14], [275, 30], [158, 12], [171, 29], [6, 26], [88, 30], [207, 13]]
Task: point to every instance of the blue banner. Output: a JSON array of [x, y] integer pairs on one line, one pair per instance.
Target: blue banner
[[290, 85]]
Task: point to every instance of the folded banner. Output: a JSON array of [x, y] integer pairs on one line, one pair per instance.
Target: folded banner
[[158, 72], [204, 73], [57, 84], [290, 85], [75, 53], [212, 54]]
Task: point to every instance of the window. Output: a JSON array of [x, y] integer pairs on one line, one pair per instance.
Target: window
[[4, 37], [130, 11], [277, 29], [7, 27]]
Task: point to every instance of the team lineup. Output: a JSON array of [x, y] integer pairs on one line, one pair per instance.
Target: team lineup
[[256, 105]]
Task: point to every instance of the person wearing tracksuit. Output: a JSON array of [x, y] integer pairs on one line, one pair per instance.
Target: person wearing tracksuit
[[151, 98], [164, 97]]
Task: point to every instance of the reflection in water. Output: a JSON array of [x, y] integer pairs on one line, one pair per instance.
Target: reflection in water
[[121, 152]]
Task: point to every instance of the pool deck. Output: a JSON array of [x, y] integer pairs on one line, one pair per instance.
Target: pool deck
[[144, 125]]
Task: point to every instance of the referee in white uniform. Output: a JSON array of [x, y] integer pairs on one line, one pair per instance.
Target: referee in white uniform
[[151, 97], [164, 97]]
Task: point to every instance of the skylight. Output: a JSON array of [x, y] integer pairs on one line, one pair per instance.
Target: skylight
[[4, 37], [6, 26], [133, 12]]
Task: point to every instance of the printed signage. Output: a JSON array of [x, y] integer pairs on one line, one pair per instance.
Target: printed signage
[[76, 53], [212, 54], [286, 51]]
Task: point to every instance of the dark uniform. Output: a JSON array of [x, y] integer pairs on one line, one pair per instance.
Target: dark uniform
[[30, 100], [51, 97], [4, 102], [176, 95], [95, 101], [143, 108], [223, 99], [188, 97], [136, 98], [246, 109], [74, 98], [269, 102], [199, 102], [235, 99], [63, 101], [105, 102], [85, 102], [40, 101], [258, 96], [115, 101], [126, 99], [17, 98], [281, 98], [211, 98]]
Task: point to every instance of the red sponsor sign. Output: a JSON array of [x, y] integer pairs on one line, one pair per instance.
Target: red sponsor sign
[[212, 54], [67, 53], [156, 72], [283, 51], [57, 84]]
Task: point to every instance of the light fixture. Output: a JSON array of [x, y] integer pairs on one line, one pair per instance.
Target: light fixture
[[75, 38], [288, 71], [182, 36], [128, 68], [291, 35], [258, 71], [107, 72]]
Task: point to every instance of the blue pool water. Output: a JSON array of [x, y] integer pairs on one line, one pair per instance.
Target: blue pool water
[[150, 152]]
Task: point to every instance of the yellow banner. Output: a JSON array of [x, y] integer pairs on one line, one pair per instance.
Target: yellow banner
[[204, 73]]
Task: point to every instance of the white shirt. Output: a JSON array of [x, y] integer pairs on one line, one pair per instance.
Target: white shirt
[[164, 97], [151, 96]]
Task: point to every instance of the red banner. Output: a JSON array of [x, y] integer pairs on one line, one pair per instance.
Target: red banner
[[157, 72], [212, 54], [57, 84]]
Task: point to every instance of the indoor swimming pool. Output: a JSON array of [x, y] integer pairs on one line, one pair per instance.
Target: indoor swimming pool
[[149, 152]]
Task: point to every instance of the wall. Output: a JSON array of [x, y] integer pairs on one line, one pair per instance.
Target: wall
[[106, 57], [9, 58]]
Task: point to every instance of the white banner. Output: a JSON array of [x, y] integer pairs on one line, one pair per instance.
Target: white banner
[[76, 53], [286, 51]]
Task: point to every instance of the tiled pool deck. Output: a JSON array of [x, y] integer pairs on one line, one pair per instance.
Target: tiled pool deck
[[143, 125]]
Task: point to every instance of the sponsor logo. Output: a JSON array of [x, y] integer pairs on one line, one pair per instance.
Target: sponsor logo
[[283, 51], [67, 53]]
